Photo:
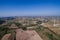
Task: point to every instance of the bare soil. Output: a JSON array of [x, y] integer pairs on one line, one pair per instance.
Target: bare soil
[[6, 37], [27, 35]]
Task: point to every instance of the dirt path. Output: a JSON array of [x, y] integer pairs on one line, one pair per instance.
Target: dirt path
[[27, 35]]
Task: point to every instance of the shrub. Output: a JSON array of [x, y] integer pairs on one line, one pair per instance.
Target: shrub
[[24, 28]]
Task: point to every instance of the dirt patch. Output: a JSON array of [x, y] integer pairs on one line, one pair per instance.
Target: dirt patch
[[6, 37], [27, 35]]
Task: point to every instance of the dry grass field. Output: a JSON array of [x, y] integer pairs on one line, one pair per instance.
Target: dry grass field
[[56, 30]]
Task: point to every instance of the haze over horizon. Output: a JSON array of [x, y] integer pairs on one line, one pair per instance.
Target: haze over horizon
[[29, 8]]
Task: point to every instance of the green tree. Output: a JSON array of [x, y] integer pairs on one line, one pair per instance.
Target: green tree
[[39, 22], [24, 28]]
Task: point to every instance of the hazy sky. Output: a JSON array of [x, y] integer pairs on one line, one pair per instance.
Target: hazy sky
[[29, 8]]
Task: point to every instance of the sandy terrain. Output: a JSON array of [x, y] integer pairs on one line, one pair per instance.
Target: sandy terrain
[[6, 37], [27, 35], [33, 35]]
